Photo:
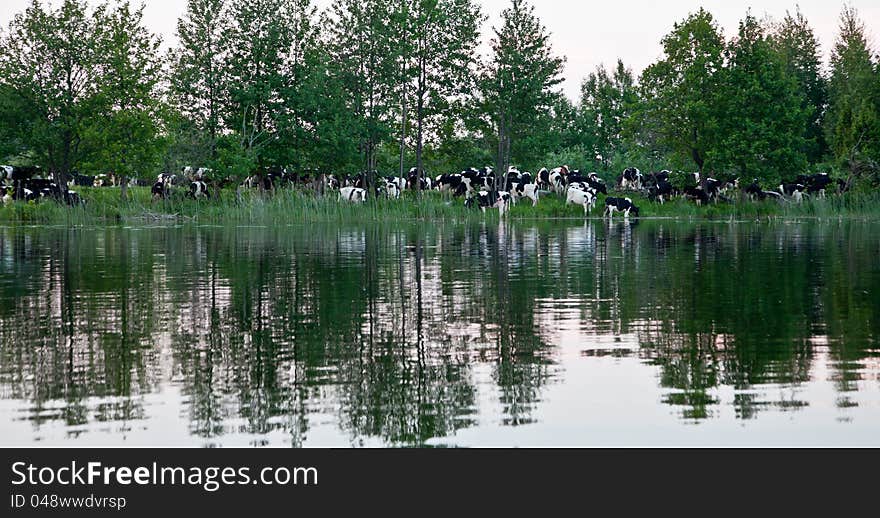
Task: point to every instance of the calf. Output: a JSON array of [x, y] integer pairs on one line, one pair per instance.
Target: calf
[[583, 197], [353, 194], [624, 205]]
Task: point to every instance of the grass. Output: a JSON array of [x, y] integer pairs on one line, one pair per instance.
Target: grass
[[104, 205]]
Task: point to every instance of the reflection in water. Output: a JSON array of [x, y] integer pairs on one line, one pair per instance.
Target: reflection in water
[[449, 334]]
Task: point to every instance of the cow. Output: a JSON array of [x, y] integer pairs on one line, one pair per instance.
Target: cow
[[592, 180], [331, 182], [816, 184], [9, 174], [7, 196], [198, 189], [449, 183], [353, 194], [525, 190], [389, 189], [543, 179], [490, 200], [557, 179], [624, 205], [795, 191], [755, 192], [697, 194], [630, 179], [584, 197], [513, 178], [662, 191]]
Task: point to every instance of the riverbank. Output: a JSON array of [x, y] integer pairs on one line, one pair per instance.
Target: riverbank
[[105, 206]]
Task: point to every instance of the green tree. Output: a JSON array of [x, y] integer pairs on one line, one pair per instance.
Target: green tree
[[361, 43], [49, 60], [197, 78], [763, 120], [681, 89], [125, 137], [853, 120], [518, 83], [607, 100], [256, 72], [799, 50], [445, 37]]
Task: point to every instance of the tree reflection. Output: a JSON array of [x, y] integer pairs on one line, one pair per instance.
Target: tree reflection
[[395, 330]]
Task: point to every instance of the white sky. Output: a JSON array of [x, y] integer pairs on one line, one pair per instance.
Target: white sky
[[588, 32]]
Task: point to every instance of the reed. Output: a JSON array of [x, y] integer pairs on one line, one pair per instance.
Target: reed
[[105, 206]]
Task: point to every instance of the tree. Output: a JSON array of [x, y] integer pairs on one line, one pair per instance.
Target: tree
[[198, 81], [681, 89], [49, 59], [444, 34], [798, 48], [763, 119], [125, 137], [606, 102], [362, 44], [853, 120], [255, 68], [518, 84]]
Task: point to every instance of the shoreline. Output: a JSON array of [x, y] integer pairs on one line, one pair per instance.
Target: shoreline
[[104, 207]]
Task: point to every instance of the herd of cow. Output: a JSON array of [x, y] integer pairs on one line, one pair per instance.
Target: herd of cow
[[481, 188]]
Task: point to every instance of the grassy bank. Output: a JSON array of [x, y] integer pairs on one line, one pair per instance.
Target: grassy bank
[[104, 206]]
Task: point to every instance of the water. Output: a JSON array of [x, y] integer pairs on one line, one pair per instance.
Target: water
[[552, 334]]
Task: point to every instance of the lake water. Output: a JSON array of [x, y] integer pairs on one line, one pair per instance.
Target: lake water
[[529, 334]]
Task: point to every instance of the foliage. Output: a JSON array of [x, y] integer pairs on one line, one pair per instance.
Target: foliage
[[518, 84]]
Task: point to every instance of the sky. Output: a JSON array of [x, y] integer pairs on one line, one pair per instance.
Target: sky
[[589, 33]]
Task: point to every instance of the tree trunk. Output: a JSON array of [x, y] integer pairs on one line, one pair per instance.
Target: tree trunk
[[420, 115]]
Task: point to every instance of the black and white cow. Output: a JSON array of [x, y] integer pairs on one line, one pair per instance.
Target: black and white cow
[[697, 194], [583, 197], [662, 191], [490, 200], [331, 182], [8, 195], [755, 192], [105, 180], [816, 184], [630, 179], [592, 180], [794, 191], [198, 189], [543, 179], [9, 174], [353, 194], [624, 205], [525, 189], [449, 183], [513, 177], [389, 188]]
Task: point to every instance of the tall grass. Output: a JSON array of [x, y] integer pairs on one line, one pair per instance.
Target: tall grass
[[104, 205]]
